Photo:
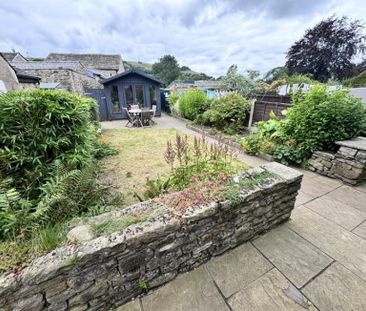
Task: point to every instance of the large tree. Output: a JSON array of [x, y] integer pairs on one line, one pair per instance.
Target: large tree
[[327, 50], [166, 69]]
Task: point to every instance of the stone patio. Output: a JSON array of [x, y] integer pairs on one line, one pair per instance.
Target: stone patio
[[317, 260]]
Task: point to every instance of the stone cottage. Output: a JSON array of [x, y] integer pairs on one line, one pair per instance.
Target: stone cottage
[[69, 75], [12, 79], [13, 57], [105, 65]]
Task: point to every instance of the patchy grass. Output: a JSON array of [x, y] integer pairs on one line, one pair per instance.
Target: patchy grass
[[140, 156], [113, 225]]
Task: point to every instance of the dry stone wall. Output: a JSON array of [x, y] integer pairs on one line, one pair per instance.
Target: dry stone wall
[[110, 270], [348, 164]]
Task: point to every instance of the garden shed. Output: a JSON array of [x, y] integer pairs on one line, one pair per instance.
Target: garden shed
[[125, 89]]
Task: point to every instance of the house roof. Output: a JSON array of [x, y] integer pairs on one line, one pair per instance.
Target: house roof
[[131, 71], [9, 56], [97, 61], [23, 78], [46, 65], [48, 85]]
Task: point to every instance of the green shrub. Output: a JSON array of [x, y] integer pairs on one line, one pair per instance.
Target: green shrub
[[173, 98], [227, 113], [357, 81], [193, 103], [298, 79], [251, 144], [318, 119], [41, 126]]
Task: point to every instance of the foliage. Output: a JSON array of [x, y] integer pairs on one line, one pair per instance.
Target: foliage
[[277, 73], [300, 79], [187, 74], [198, 162], [327, 50], [357, 81], [227, 113], [245, 86], [166, 69], [103, 150], [318, 118], [39, 127], [315, 121], [193, 103], [173, 98]]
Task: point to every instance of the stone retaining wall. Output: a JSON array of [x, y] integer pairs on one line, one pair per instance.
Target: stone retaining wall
[[110, 270], [348, 164]]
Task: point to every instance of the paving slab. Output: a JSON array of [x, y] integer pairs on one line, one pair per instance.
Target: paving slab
[[337, 242], [337, 288], [356, 143], [302, 198], [315, 188], [131, 306], [361, 187], [296, 258], [237, 268], [337, 212], [328, 181], [270, 292], [350, 196], [194, 291], [361, 230]]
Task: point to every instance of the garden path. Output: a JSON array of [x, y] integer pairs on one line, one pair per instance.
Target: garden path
[[317, 260]]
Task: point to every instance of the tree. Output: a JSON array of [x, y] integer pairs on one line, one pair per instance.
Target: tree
[[327, 50], [166, 69], [277, 73], [245, 86]]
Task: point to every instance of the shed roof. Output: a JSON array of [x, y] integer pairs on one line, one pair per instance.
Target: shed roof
[[23, 78], [132, 71], [98, 61], [46, 65]]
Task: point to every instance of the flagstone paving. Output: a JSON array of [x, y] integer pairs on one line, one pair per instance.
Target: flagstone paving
[[317, 260]]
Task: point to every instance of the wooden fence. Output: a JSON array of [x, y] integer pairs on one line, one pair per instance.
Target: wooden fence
[[266, 103]]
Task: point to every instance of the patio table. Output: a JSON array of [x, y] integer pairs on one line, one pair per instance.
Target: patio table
[[137, 114]]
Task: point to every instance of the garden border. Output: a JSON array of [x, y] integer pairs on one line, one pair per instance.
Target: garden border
[[112, 269]]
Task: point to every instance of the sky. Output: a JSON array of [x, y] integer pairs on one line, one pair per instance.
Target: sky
[[207, 35]]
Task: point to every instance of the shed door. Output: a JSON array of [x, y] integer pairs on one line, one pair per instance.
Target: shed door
[[116, 103]]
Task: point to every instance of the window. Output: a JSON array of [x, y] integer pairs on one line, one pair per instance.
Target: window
[[115, 99], [140, 95], [153, 95], [128, 95]]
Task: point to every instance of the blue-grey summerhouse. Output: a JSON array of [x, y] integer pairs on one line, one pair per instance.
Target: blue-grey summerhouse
[[125, 89]]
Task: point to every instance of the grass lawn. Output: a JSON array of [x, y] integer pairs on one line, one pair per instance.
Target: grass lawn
[[140, 156]]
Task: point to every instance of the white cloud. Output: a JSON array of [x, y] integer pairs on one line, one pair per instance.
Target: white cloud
[[206, 35]]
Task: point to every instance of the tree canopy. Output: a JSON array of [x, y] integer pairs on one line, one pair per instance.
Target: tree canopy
[[166, 69], [327, 50]]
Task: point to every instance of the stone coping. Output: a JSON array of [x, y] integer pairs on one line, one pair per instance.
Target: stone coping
[[154, 250], [356, 143]]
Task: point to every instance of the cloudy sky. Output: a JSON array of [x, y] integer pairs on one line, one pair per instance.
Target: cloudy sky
[[206, 35]]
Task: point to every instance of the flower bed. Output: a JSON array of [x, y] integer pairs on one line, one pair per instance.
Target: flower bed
[[111, 269]]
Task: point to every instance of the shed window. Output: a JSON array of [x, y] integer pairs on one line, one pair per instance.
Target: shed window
[[140, 94], [115, 99], [153, 95], [128, 95]]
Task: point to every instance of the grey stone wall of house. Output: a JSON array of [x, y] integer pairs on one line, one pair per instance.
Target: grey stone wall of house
[[69, 80], [348, 164], [8, 75], [108, 271]]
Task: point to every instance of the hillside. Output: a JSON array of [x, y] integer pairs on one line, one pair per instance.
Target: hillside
[[185, 74]]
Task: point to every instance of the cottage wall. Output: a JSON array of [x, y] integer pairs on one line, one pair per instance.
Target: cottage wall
[[8, 76]]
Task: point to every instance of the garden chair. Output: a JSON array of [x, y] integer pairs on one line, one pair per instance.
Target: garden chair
[[153, 113], [135, 107], [145, 118], [131, 119]]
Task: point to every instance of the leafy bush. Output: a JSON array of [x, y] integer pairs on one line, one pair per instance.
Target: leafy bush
[[315, 121], [41, 126], [318, 119], [227, 113], [173, 98], [192, 103], [357, 81], [48, 144], [298, 79]]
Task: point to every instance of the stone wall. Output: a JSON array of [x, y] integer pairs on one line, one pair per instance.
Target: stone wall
[[8, 75], [112, 269], [348, 164]]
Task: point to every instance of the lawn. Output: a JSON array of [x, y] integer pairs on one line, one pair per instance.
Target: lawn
[[140, 156]]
